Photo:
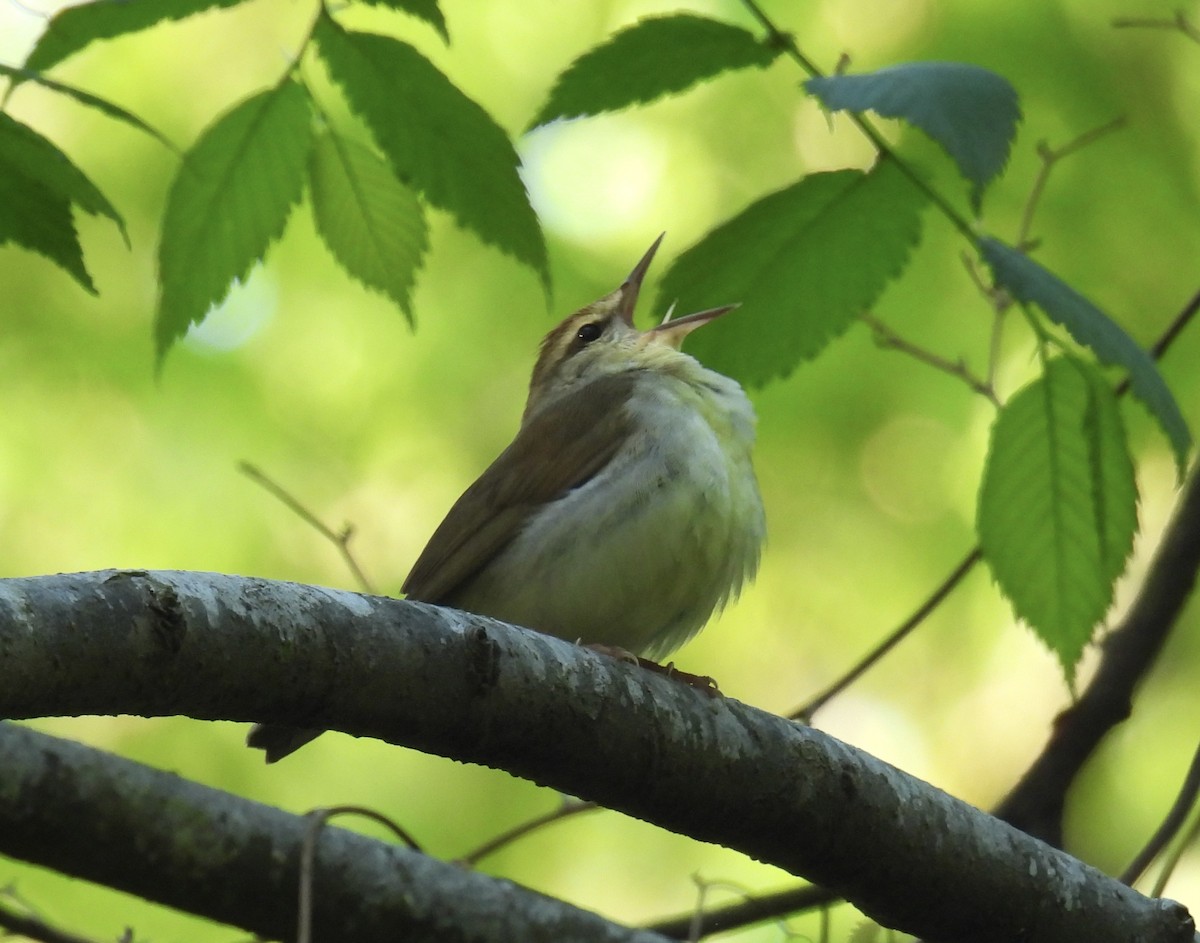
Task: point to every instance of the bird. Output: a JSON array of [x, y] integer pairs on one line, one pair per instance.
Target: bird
[[625, 512]]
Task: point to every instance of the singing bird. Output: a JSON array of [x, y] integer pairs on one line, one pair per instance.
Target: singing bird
[[626, 510]]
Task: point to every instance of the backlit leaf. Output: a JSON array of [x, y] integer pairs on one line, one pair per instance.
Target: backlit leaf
[[229, 201], [804, 262], [437, 140], [37, 158], [34, 217], [75, 27], [655, 57], [1057, 508], [426, 10], [372, 223]]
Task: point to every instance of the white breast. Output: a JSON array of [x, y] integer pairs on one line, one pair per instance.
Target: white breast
[[641, 555]]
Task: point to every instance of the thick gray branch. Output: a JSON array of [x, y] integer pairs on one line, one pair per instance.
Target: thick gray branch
[[93, 815], [214, 646]]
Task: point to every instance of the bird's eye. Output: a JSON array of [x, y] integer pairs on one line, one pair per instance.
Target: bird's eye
[[590, 332]]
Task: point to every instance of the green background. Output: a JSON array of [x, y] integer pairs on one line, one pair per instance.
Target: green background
[[869, 461]]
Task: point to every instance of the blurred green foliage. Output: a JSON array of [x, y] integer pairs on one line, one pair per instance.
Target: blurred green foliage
[[869, 461]]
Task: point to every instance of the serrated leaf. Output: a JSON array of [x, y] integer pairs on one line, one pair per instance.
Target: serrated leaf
[[1029, 282], [371, 222], [654, 57], [804, 262], [73, 28], [36, 218], [971, 112], [426, 10], [228, 203], [1058, 504], [86, 98], [437, 140], [38, 158]]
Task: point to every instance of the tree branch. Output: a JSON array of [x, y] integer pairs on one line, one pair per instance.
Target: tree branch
[[458, 685], [96, 816]]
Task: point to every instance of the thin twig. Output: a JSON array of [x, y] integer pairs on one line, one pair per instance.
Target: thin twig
[[886, 337], [1050, 157], [923, 612], [308, 853], [1180, 23], [1175, 819], [1172, 859], [340, 540], [743, 913], [564, 811]]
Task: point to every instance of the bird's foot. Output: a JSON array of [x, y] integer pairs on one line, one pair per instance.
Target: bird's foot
[[612, 651], [701, 682]]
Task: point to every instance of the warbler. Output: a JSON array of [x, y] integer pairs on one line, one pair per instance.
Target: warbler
[[626, 510]]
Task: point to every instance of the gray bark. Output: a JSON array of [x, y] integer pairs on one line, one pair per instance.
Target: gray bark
[[213, 646]]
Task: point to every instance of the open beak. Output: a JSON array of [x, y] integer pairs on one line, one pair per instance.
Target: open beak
[[673, 332], [633, 284]]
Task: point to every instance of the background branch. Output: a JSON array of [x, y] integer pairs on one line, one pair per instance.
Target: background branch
[[109, 820]]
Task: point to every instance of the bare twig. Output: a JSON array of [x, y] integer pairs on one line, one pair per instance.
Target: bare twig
[[1180, 22], [1178, 814], [308, 852], [1172, 858], [886, 337], [1050, 158], [569, 808], [753, 909], [893, 639], [340, 540]]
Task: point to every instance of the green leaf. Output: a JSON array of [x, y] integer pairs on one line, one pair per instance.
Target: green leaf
[[426, 10], [371, 222], [1029, 282], [230, 200], [35, 217], [971, 112], [86, 98], [804, 262], [1058, 504], [73, 28], [655, 57], [437, 140], [39, 159]]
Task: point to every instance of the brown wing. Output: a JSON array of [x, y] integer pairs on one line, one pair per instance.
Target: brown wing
[[557, 450]]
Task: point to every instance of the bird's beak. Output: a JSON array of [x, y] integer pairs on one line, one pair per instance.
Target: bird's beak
[[672, 332], [632, 285]]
